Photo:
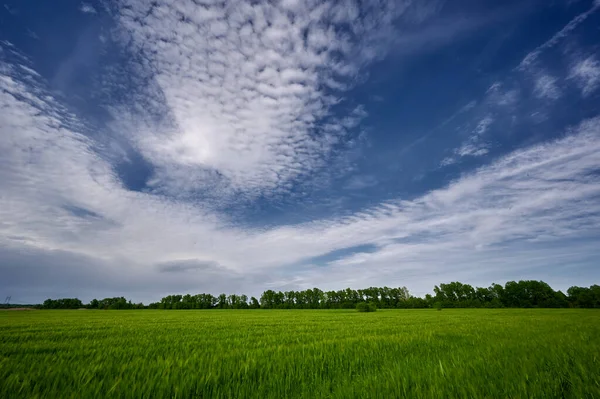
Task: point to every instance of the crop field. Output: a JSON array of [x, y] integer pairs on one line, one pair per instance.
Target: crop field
[[476, 353]]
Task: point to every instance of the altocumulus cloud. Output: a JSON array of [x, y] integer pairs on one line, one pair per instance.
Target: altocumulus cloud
[[248, 87]]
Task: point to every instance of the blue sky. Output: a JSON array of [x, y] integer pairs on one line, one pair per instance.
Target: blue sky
[[150, 148]]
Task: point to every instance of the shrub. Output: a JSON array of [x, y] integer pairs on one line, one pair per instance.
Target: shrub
[[366, 307]]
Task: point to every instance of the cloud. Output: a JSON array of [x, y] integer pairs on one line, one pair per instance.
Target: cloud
[[30, 275], [448, 161], [500, 96], [587, 75], [475, 145], [532, 57], [425, 31], [483, 125], [546, 87], [187, 265], [32, 34], [245, 90], [361, 182], [10, 10], [87, 8], [473, 150], [545, 196]]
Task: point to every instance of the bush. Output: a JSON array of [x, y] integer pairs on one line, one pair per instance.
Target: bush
[[366, 307]]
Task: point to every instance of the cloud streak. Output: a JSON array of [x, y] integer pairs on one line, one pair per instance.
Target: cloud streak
[[586, 73], [531, 58], [546, 87]]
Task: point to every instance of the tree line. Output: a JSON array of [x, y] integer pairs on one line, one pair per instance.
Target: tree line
[[521, 294]]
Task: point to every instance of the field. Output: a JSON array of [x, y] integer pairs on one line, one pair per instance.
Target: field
[[476, 353]]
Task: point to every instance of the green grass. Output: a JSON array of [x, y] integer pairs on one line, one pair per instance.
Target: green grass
[[472, 353]]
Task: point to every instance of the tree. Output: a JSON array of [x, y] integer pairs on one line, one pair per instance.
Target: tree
[[187, 302], [524, 293], [530, 293], [222, 302], [62, 303], [267, 299], [243, 303], [455, 294], [582, 297], [399, 296]]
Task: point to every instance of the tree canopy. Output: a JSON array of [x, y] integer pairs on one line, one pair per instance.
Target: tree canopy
[[521, 294]]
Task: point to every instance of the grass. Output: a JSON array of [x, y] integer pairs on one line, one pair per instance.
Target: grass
[[475, 353]]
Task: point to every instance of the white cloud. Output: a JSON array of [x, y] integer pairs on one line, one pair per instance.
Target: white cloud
[[546, 87], [248, 87], [475, 145], [587, 75], [87, 8], [361, 182], [532, 57], [448, 161], [483, 125], [499, 96], [471, 149]]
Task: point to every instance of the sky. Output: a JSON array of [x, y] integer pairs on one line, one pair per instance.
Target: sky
[[150, 148]]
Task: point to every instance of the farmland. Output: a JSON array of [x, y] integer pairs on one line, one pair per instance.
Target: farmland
[[454, 353]]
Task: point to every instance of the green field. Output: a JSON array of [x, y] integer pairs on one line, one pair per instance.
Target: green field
[[476, 353]]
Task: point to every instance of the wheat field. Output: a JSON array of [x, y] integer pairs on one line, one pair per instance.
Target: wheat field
[[458, 353]]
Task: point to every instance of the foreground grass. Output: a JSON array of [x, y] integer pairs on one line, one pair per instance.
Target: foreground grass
[[310, 354]]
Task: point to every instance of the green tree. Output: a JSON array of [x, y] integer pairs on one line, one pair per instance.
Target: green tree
[[222, 301]]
